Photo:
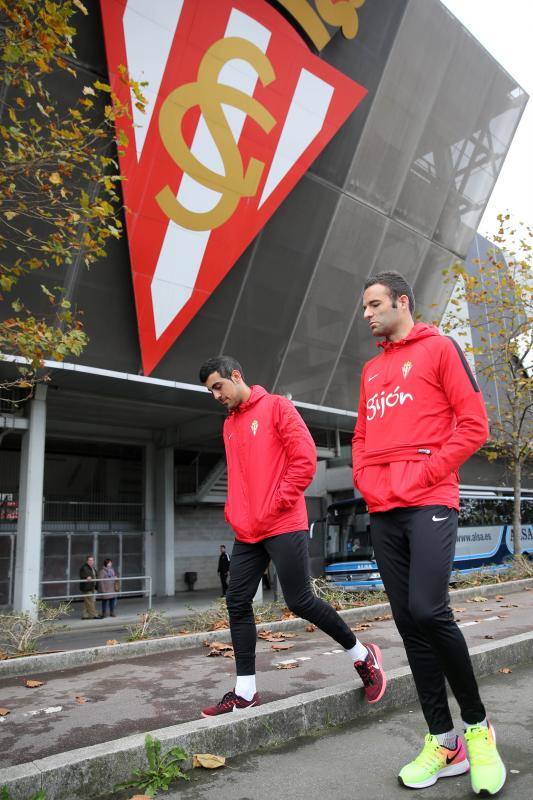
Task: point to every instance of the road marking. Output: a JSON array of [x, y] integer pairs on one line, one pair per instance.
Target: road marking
[[477, 622]]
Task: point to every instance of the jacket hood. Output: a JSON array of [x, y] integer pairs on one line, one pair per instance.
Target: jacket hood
[[420, 331], [257, 393]]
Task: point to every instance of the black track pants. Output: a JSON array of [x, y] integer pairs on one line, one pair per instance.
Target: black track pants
[[290, 555], [414, 549]]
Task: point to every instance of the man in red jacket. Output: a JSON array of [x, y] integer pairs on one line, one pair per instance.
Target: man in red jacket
[[421, 415], [271, 460]]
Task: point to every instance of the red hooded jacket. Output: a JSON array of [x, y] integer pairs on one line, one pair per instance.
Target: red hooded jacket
[[421, 415], [271, 461]]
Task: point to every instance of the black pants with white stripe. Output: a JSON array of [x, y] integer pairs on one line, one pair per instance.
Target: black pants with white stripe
[[290, 554], [414, 549]]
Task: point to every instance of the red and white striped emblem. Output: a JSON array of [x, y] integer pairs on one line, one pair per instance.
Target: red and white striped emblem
[[238, 110]]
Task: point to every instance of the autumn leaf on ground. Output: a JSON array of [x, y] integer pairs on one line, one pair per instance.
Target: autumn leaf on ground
[[382, 617], [505, 670], [208, 761], [111, 642], [363, 626], [510, 605], [289, 635], [478, 599], [489, 636], [221, 646], [32, 684], [220, 625], [264, 634], [288, 614], [282, 646], [80, 699], [458, 610], [288, 665], [500, 597], [4, 712], [311, 628], [228, 654]]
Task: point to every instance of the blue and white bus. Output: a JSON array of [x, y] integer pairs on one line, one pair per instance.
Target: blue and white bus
[[484, 538]]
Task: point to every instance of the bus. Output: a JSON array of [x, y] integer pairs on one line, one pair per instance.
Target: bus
[[484, 537]]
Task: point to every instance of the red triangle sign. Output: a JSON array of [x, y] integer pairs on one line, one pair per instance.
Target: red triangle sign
[[238, 110]]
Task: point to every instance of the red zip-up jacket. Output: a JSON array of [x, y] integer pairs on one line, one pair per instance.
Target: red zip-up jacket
[[271, 461], [421, 415]]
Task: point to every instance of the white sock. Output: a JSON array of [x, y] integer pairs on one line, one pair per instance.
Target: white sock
[[245, 686], [448, 739], [484, 723], [358, 652]]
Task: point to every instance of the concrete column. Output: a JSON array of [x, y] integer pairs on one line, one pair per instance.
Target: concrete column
[[29, 529], [164, 568], [149, 514]]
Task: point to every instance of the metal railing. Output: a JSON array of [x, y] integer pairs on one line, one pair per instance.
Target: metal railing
[[147, 591]]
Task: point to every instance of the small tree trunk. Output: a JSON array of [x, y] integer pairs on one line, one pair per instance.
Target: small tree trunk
[[517, 520]]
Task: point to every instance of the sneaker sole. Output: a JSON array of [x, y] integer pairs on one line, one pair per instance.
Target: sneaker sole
[[379, 657], [234, 710], [448, 772]]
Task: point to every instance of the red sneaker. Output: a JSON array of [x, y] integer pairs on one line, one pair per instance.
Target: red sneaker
[[371, 673], [231, 702]]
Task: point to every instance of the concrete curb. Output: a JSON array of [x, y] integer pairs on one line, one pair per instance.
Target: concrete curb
[[81, 774], [53, 662]]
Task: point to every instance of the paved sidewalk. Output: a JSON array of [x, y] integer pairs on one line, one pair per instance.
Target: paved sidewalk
[[362, 760], [164, 689]]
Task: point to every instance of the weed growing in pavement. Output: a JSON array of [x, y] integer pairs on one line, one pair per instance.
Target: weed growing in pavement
[[5, 795], [342, 599], [519, 568], [163, 769], [151, 624], [21, 631]]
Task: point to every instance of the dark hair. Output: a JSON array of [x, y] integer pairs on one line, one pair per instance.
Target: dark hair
[[107, 561], [224, 365], [222, 546], [396, 284]]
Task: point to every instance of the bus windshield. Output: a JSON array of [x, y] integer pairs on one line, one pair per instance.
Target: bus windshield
[[348, 533]]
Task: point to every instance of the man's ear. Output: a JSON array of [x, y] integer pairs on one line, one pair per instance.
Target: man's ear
[[236, 376], [404, 300]]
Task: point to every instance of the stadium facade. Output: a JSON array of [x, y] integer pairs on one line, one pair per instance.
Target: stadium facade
[[382, 151]]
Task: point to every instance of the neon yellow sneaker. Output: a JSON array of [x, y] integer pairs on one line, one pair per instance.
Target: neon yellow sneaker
[[432, 763], [488, 770]]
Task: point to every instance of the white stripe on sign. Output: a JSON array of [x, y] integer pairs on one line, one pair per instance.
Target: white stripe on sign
[[149, 30]]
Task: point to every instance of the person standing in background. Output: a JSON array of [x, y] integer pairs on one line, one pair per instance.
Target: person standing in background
[[108, 581], [223, 569], [88, 588]]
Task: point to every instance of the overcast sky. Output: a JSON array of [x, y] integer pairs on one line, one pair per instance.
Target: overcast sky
[[505, 28]]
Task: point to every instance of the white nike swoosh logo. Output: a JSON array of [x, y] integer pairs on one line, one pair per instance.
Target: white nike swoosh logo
[[438, 519], [373, 376]]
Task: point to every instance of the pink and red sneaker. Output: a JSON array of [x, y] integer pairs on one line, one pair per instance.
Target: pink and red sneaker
[[372, 674], [231, 702]]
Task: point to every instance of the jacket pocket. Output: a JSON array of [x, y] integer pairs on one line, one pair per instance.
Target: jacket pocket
[[408, 479], [372, 483]]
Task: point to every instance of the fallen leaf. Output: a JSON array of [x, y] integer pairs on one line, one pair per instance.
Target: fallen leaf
[[478, 599], [208, 761], [80, 699], [510, 605], [4, 712], [503, 616], [505, 670], [363, 626], [289, 635], [55, 178], [111, 642], [218, 626], [183, 631], [282, 646], [382, 617], [311, 628], [32, 684], [227, 654], [489, 636], [288, 614], [220, 646], [458, 610], [288, 665], [500, 597]]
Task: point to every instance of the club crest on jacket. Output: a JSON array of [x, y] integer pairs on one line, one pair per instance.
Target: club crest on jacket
[[406, 368], [254, 426]]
